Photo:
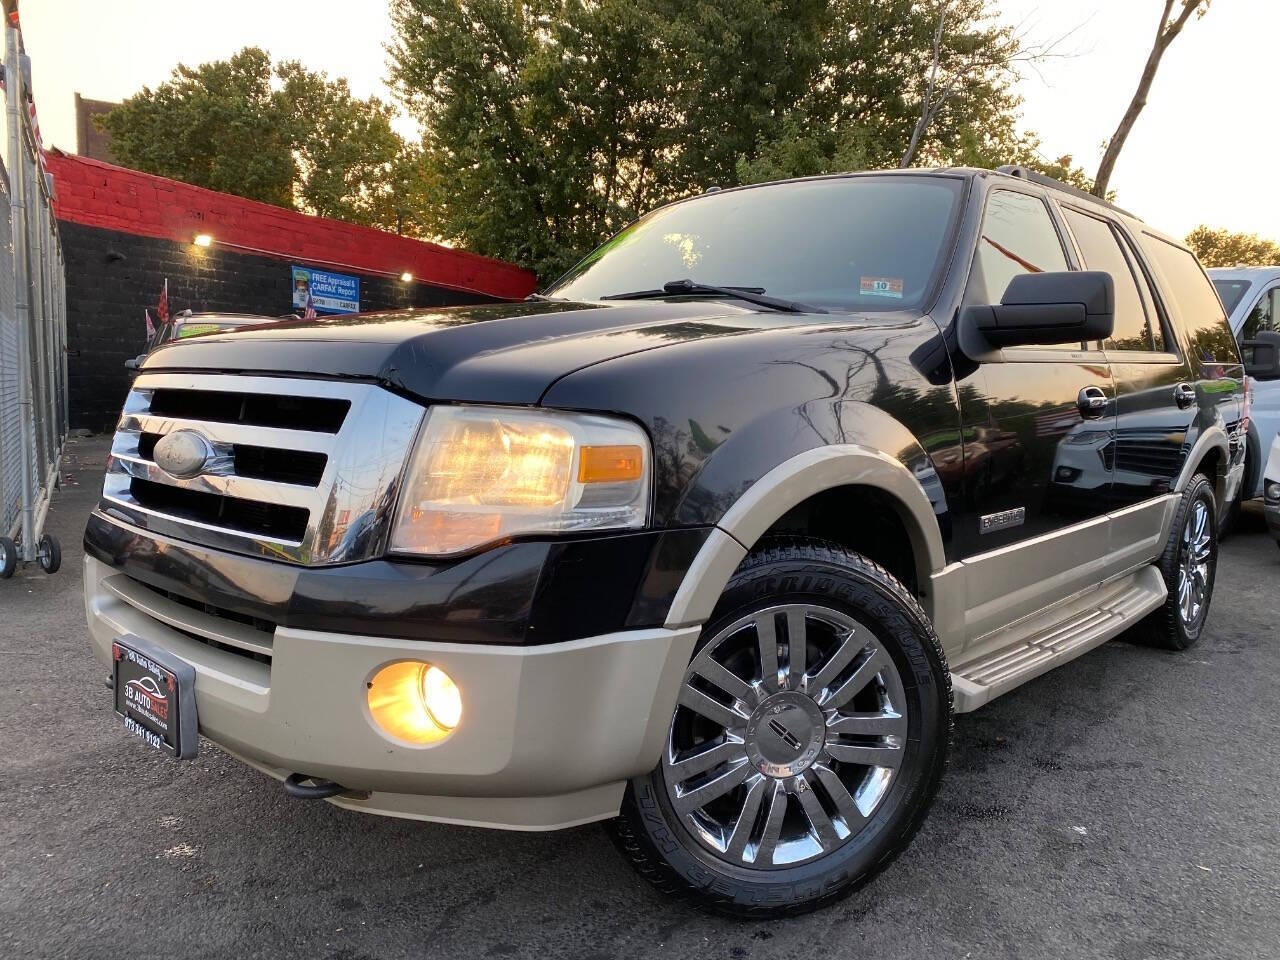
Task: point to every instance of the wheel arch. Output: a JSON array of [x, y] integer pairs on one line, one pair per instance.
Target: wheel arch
[[1212, 449], [790, 484]]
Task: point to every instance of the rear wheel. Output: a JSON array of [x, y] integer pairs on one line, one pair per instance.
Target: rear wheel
[[809, 740], [1189, 565]]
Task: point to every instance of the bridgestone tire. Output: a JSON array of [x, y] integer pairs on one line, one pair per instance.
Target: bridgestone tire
[[662, 848]]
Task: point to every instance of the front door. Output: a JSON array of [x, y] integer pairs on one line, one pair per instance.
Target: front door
[[1036, 466]]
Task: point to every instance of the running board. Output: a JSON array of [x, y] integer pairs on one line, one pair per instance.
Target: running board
[[1025, 650]]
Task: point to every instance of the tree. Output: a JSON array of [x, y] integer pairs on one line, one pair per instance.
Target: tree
[[283, 135], [553, 123], [1222, 248], [1167, 32]]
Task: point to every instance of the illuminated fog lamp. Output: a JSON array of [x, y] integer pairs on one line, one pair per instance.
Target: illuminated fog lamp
[[414, 701], [203, 240]]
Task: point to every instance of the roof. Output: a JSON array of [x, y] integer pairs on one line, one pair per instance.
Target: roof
[[1245, 273]]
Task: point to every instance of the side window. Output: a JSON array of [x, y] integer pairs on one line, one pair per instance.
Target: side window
[[1017, 237], [1158, 330], [1195, 301], [1101, 250], [1263, 316]]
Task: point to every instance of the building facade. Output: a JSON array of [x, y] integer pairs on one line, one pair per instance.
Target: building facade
[[126, 233]]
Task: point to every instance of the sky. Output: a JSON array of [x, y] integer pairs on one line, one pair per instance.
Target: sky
[[1203, 151]]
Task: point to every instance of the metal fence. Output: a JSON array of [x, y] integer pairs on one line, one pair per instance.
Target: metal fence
[[33, 328]]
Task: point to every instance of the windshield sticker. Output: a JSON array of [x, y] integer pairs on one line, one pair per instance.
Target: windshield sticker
[[881, 287]]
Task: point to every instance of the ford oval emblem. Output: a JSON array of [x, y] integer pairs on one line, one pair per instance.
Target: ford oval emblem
[[182, 454]]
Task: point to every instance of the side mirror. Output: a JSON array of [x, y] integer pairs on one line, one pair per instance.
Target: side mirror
[[1262, 356], [135, 362], [1047, 308]]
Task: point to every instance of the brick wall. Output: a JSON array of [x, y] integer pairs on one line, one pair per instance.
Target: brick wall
[[112, 276], [125, 233]]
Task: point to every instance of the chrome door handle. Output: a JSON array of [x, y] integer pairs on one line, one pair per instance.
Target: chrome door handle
[[1184, 395], [1092, 402]]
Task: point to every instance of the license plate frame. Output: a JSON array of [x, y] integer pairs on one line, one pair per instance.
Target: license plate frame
[[155, 694]]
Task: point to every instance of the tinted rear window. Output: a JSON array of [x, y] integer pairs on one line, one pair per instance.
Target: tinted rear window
[[1194, 300], [1101, 251]]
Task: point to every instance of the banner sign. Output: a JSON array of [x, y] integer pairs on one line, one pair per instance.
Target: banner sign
[[329, 292]]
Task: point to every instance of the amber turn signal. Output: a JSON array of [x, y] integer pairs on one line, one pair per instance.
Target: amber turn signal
[[613, 464]]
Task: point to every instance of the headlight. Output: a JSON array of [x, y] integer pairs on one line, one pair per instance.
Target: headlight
[[481, 474]]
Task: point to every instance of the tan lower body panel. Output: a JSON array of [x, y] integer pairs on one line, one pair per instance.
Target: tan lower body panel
[[537, 814], [560, 726]]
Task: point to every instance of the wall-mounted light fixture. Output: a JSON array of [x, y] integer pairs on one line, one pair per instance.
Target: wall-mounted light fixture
[[203, 240], [406, 277]]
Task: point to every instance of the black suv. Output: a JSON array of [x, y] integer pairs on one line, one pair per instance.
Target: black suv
[[710, 539]]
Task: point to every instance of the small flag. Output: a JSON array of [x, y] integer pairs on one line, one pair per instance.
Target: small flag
[[151, 327], [310, 312], [162, 309]]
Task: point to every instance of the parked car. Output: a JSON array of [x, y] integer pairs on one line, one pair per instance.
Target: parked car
[[188, 324], [1251, 296], [709, 540], [1271, 490]]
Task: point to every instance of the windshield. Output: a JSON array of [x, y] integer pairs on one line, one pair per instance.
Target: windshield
[[1231, 291], [849, 243]]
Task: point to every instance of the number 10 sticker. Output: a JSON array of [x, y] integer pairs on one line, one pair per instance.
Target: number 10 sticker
[[881, 287]]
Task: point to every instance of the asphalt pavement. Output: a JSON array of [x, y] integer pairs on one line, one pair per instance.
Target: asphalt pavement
[[1126, 805]]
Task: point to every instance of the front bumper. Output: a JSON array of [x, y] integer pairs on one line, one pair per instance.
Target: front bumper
[[549, 734]]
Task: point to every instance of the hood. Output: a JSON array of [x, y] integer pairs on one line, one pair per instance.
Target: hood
[[494, 353]]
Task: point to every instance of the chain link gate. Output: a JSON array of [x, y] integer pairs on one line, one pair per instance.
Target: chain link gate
[[33, 329]]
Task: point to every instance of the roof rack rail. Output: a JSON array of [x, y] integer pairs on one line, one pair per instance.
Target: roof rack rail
[[1033, 176]]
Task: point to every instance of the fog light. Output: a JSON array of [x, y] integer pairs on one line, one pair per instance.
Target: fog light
[[415, 701], [1273, 491]]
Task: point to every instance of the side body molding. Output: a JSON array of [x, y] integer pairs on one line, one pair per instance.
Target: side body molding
[[788, 484]]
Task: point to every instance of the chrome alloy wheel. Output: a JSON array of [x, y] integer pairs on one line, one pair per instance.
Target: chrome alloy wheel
[[790, 731], [1193, 564]]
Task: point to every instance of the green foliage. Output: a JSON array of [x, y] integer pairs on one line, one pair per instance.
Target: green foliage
[[284, 135], [1222, 248], [553, 123]]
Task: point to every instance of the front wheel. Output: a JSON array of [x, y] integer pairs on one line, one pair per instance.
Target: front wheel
[[809, 739]]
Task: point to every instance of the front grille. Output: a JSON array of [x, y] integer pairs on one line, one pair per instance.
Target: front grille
[[302, 471], [260, 519], [215, 627], [222, 613], [322, 414]]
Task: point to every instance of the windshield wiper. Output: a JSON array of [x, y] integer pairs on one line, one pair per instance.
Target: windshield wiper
[[543, 298], [750, 294]]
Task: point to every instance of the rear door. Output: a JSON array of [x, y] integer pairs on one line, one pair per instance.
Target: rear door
[[1211, 382], [1151, 425], [1035, 473]]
